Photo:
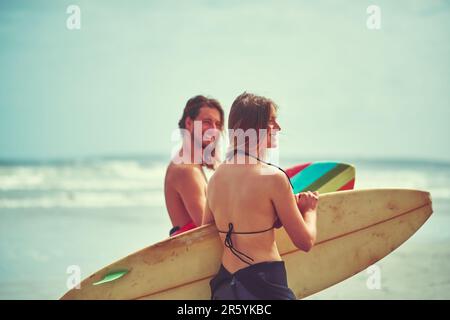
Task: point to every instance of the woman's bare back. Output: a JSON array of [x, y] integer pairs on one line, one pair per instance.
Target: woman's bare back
[[241, 194]]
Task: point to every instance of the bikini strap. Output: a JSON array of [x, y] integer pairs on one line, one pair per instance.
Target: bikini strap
[[229, 245], [230, 225], [229, 242], [268, 163]]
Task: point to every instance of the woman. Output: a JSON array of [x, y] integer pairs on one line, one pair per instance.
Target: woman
[[247, 198]]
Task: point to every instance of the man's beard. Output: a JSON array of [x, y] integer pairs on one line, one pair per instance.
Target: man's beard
[[209, 156]]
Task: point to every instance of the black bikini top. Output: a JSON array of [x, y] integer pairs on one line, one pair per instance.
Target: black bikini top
[[229, 242]]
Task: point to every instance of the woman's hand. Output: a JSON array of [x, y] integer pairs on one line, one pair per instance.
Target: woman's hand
[[307, 201]]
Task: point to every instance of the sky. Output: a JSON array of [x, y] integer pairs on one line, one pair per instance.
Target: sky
[[118, 85]]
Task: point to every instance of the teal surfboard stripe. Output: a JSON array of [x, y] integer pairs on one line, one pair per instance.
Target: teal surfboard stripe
[[310, 174], [326, 177]]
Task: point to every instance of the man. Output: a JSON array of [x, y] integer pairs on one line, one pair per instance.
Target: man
[[185, 182]]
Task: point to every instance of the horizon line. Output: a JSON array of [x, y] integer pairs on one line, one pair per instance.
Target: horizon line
[[163, 156]]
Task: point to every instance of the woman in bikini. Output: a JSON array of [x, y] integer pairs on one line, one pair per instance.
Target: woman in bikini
[[247, 198]]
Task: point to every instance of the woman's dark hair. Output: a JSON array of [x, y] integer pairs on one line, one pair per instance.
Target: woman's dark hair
[[193, 107], [249, 111]]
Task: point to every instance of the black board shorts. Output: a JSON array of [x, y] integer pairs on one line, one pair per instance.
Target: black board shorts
[[260, 281]]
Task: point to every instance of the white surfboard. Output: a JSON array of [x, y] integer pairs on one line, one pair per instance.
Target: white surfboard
[[356, 228]]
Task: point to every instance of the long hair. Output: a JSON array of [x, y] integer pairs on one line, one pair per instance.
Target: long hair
[[248, 111], [193, 106], [191, 110]]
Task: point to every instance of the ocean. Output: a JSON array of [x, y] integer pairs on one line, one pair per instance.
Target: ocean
[[88, 213]]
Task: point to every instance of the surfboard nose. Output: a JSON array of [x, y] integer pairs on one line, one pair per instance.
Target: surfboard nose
[[430, 200]]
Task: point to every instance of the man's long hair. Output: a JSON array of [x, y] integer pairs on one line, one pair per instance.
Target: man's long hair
[[191, 110]]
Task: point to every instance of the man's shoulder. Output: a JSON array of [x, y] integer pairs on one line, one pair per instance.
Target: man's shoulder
[[183, 171]]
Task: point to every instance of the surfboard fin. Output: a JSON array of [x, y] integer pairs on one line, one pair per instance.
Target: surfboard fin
[[111, 276]]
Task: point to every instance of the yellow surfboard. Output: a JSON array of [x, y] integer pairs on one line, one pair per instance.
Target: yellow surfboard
[[356, 228]]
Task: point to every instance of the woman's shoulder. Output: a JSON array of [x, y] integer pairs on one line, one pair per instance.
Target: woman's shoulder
[[271, 172], [260, 174], [274, 177]]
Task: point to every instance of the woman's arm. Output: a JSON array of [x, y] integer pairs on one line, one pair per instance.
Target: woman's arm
[[300, 226]]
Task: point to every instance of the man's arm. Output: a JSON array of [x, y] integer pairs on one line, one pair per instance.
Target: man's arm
[[190, 186]]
